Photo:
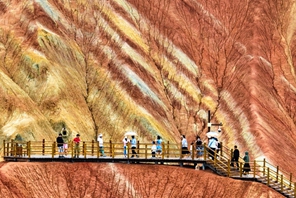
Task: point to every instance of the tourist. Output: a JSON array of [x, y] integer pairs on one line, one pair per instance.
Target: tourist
[[100, 144], [199, 147], [134, 146], [185, 150], [125, 143], [76, 142], [60, 144], [247, 167], [158, 146], [235, 158], [153, 149], [213, 145], [65, 139]]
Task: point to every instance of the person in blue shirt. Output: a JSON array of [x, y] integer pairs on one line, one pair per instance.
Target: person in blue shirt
[[134, 146], [158, 146]]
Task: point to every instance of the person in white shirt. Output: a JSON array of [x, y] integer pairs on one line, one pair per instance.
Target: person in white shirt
[[101, 146], [153, 149], [125, 142], [213, 145], [185, 150]]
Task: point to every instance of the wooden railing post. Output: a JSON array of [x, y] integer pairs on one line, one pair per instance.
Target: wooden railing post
[[221, 149], [92, 147], [263, 166], [205, 151], [43, 147], [294, 189], [113, 151], [282, 182], [228, 168], [128, 150], [29, 149], [193, 152], [277, 173], [168, 149], [254, 168], [215, 158], [181, 156], [291, 180], [138, 147], [163, 150], [110, 146], [98, 150], [84, 149], [53, 146], [12, 147], [268, 179], [146, 151], [4, 148], [7, 149], [72, 149], [240, 169]]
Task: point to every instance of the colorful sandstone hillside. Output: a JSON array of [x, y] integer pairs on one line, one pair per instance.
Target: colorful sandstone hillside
[[154, 67]]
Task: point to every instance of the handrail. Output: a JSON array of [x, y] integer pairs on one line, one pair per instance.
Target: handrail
[[259, 169]]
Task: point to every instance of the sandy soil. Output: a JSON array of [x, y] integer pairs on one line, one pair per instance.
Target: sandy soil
[[26, 180]]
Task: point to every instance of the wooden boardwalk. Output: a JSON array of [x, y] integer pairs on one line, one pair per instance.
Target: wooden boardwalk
[[261, 171]]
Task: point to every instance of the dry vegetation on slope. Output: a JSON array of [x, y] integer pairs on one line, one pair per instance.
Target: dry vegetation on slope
[[120, 180], [156, 67]]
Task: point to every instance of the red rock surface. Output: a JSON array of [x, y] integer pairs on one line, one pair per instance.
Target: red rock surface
[[120, 180]]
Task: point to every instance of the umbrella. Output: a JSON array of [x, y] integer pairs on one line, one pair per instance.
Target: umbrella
[[130, 133], [212, 134]]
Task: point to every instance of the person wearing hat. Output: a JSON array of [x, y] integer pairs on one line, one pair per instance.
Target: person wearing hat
[[125, 142], [76, 142], [101, 146]]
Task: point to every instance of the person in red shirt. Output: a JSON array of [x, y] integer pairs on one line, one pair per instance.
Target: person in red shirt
[[76, 142]]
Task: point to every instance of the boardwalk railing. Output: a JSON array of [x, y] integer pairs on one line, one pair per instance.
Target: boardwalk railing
[[219, 161], [88, 149], [262, 171]]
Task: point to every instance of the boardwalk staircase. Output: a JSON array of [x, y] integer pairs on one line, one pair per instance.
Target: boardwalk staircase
[[261, 171]]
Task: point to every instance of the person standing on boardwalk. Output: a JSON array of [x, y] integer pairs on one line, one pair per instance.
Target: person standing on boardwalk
[[76, 142], [134, 146], [213, 145], [60, 144], [125, 144], [65, 139], [153, 149], [158, 146], [235, 158], [247, 167], [199, 147], [101, 144], [185, 150]]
